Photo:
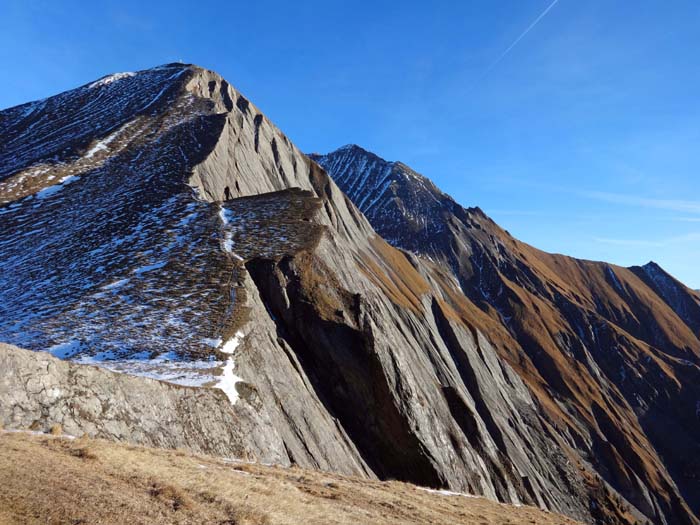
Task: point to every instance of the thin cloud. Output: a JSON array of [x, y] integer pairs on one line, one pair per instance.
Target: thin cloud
[[677, 205], [629, 242], [522, 35], [688, 237], [679, 239], [686, 219], [519, 213]]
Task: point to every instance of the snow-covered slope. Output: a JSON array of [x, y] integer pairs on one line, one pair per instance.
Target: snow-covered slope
[[100, 230]]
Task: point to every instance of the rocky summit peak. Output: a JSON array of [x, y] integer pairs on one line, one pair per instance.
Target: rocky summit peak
[[404, 206]]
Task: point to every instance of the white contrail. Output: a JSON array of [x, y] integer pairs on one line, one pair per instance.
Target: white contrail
[[522, 35]]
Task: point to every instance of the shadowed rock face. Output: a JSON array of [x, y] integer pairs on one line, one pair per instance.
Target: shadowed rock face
[[611, 353], [345, 353]]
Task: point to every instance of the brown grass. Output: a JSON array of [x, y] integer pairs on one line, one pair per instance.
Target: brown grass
[[389, 269], [45, 479]]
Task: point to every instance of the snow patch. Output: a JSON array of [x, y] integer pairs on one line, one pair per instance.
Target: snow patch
[[227, 243], [102, 144], [115, 284], [166, 367], [229, 378], [47, 192], [150, 267], [64, 350], [104, 81], [444, 492], [213, 342]]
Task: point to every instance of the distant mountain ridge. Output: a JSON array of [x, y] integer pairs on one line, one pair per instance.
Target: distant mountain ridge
[[408, 209], [615, 351]]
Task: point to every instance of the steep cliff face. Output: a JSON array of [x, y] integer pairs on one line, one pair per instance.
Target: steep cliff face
[[335, 349], [417, 396], [611, 353]]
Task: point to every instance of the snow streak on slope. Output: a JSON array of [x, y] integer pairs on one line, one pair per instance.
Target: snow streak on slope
[[165, 367], [62, 127], [228, 380]]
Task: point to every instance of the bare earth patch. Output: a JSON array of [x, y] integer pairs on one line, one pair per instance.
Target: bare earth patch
[[53, 480]]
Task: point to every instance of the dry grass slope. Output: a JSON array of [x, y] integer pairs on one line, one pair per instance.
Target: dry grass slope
[[53, 480]]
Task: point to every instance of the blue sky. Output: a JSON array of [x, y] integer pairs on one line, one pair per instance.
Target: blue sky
[[582, 138]]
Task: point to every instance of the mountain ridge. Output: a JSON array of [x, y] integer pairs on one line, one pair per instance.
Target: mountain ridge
[[521, 288], [349, 354]]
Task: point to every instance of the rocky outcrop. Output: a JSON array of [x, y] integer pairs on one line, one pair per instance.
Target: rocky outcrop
[[415, 395], [684, 302], [38, 391]]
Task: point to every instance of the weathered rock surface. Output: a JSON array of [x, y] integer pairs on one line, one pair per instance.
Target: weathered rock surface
[[38, 391]]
